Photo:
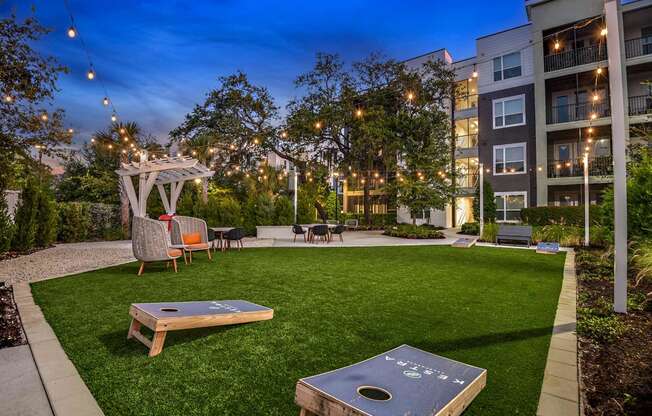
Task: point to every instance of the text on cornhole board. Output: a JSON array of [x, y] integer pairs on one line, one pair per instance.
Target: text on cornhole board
[[403, 381]]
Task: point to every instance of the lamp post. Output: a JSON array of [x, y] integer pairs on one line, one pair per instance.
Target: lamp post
[[481, 199], [586, 198]]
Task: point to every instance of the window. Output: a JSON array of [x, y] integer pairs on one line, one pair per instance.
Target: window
[[509, 205], [507, 66], [509, 112], [509, 159]]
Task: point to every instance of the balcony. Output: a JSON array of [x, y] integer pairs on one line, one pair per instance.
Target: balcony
[[469, 141], [640, 105], [598, 166], [468, 181], [466, 102], [638, 47], [578, 112], [574, 57]]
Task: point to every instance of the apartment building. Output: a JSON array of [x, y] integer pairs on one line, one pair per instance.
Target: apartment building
[[544, 99]]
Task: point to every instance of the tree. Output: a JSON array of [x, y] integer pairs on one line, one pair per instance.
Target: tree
[[46, 219], [25, 218], [489, 203], [6, 226], [27, 86], [420, 194]]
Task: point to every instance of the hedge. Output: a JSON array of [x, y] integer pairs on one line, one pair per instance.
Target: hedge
[[84, 221], [570, 216]]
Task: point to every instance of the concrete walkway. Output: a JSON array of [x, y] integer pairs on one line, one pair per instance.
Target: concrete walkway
[[22, 390]]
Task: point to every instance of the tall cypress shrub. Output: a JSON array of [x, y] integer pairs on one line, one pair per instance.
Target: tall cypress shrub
[[47, 218], [25, 218], [489, 203], [6, 226]]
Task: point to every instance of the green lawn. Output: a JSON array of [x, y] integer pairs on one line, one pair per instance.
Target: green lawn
[[491, 308]]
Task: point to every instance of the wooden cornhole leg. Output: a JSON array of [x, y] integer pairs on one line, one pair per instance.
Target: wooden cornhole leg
[[155, 345]]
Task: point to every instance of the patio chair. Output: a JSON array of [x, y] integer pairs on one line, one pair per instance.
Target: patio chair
[[351, 224], [298, 230], [320, 232], [338, 230], [211, 238], [150, 242], [332, 222], [190, 234], [236, 234]]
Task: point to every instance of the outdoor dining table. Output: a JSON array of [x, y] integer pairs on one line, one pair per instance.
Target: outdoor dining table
[[219, 235], [309, 228]]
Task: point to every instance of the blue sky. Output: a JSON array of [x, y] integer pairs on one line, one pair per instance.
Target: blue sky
[[159, 58]]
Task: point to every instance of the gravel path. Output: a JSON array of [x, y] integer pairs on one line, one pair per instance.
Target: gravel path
[[65, 259]]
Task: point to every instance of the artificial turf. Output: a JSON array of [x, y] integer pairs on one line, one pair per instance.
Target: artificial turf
[[492, 308]]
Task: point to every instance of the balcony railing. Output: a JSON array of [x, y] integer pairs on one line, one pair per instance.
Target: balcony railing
[[640, 105], [466, 102], [466, 142], [638, 47], [598, 166], [468, 180], [574, 57], [578, 112]]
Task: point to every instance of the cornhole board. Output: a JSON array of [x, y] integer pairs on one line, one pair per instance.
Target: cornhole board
[[548, 248], [464, 242], [403, 381], [171, 316]]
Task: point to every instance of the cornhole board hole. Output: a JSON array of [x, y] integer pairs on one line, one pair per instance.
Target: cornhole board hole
[[464, 242], [548, 248], [171, 316], [403, 381]]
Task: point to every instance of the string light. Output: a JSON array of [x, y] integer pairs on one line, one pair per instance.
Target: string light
[[599, 71], [110, 146], [557, 45], [410, 96], [92, 140], [284, 134], [71, 130], [475, 71], [8, 98], [604, 31], [44, 117], [126, 139], [90, 74], [105, 101], [318, 125], [72, 33], [114, 118], [358, 113], [256, 141], [122, 130]]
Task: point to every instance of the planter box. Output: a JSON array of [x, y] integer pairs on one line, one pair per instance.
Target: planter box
[[282, 232]]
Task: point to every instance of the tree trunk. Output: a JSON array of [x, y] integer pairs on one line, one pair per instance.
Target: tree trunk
[[204, 190], [321, 211], [414, 220], [366, 203]]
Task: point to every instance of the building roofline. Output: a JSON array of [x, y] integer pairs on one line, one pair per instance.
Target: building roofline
[[422, 55], [464, 60], [505, 30]]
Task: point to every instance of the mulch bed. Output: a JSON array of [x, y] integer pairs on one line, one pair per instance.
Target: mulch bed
[[13, 254], [616, 373], [11, 333]]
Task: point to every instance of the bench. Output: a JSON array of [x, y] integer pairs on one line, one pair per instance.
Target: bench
[[514, 234], [351, 224]]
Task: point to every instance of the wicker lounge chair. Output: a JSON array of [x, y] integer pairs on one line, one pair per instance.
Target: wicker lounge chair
[[150, 242], [190, 234]]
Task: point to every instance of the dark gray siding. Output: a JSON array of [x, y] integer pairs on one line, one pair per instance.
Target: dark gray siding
[[488, 138]]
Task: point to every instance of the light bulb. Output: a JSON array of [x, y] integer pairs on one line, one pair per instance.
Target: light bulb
[[590, 129], [92, 140], [604, 31], [318, 125], [358, 113], [44, 117], [122, 130], [126, 139], [110, 146], [595, 97], [71, 130], [72, 32], [557, 45], [90, 74], [105, 101], [114, 118], [599, 70], [284, 134], [410, 96], [8, 98]]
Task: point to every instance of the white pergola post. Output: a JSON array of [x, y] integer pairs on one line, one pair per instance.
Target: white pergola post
[[619, 135]]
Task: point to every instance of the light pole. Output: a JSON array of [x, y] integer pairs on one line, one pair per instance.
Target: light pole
[[481, 199], [586, 198]]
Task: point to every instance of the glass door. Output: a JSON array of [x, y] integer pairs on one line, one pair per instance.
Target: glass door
[[561, 108]]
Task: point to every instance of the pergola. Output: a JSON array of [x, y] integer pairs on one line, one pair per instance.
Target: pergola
[[160, 172]]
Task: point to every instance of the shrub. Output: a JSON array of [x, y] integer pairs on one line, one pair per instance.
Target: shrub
[[6, 226], [564, 235], [25, 218], [569, 216], [305, 208], [283, 211], [600, 328], [230, 212], [412, 231], [104, 219], [489, 204], [74, 221], [470, 228], [642, 261], [47, 219], [489, 232]]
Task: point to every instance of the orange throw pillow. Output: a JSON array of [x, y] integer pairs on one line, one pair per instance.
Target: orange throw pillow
[[192, 238]]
